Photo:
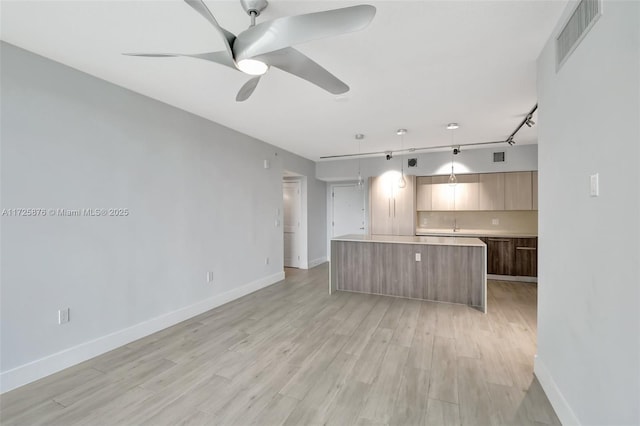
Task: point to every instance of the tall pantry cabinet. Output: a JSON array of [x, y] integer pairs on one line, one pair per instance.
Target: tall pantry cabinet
[[392, 209]]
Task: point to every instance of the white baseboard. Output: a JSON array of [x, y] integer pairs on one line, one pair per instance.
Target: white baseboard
[[53, 363], [560, 405], [318, 261]]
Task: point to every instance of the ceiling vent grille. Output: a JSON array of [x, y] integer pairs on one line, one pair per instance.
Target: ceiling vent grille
[[583, 18], [498, 157]]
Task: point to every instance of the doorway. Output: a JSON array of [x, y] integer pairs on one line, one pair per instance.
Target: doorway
[[348, 215], [292, 211]]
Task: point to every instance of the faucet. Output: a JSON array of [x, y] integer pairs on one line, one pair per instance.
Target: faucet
[[455, 225]]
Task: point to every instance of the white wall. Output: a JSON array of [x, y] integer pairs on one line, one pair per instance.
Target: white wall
[[589, 279], [199, 200], [517, 158]]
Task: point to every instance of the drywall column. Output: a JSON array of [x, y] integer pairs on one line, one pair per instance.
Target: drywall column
[[589, 279]]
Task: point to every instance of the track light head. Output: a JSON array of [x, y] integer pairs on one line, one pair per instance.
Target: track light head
[[510, 141], [456, 150], [529, 122], [389, 155]]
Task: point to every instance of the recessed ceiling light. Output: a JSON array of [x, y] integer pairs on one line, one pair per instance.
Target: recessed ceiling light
[[359, 136], [252, 66], [401, 132], [453, 126]]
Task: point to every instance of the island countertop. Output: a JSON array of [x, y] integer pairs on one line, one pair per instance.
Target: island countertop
[[401, 239]]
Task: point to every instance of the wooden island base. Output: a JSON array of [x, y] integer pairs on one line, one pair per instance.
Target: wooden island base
[[445, 269]]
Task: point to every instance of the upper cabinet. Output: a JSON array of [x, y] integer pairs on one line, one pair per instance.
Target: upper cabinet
[[442, 194], [491, 188], [423, 193], [466, 192], [484, 191], [518, 191], [392, 209], [445, 197]]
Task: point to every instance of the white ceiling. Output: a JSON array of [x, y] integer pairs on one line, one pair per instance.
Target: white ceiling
[[419, 65]]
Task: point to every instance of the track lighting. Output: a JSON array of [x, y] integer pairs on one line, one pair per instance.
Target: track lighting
[[528, 121], [389, 155], [510, 141]]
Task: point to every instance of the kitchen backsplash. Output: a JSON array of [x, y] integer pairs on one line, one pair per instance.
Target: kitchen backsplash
[[507, 221]]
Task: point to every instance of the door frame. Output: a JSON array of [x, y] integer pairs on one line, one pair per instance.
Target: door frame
[[303, 232], [365, 211]]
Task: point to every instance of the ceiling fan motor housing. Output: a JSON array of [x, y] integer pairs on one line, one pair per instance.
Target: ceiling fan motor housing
[[254, 6]]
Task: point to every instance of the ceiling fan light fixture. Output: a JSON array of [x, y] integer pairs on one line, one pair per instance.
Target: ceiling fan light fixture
[[252, 66]]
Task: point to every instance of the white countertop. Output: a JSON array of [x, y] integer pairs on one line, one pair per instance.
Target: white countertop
[[400, 239], [474, 233]]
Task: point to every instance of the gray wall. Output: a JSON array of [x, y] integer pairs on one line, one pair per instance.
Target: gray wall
[[517, 158], [198, 195], [589, 283]]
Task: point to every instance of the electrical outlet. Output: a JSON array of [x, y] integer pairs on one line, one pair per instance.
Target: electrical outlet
[[495, 221], [209, 277], [418, 257], [63, 316]]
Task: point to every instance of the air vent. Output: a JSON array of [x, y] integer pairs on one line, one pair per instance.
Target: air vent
[[412, 162], [578, 25], [498, 157]]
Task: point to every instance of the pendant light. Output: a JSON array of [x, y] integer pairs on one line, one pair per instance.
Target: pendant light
[[453, 180], [360, 183], [402, 182]]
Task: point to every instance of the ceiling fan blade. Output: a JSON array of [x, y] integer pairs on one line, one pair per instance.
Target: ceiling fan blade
[[284, 32], [220, 57], [298, 64], [247, 89], [202, 9]]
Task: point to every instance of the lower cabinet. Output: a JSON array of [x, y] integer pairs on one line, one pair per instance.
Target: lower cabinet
[[526, 257], [500, 256], [512, 256]]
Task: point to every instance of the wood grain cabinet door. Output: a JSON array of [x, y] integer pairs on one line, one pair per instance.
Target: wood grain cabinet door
[[404, 208], [500, 254], [526, 257], [491, 191], [466, 193], [423, 193], [517, 191], [380, 196], [442, 194]]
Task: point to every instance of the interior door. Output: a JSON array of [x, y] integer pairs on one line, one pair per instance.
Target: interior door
[[348, 210], [291, 225]]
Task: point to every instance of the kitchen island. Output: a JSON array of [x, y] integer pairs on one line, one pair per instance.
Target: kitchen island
[[444, 269]]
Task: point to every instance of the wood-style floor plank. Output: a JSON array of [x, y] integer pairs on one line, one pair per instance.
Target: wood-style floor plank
[[293, 354]]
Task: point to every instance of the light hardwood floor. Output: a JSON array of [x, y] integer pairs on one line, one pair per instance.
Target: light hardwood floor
[[291, 354]]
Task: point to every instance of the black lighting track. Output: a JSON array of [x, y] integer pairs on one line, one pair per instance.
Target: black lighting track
[[509, 141]]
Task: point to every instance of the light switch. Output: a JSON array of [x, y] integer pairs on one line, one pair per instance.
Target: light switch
[[595, 185], [267, 164], [495, 221], [418, 257]]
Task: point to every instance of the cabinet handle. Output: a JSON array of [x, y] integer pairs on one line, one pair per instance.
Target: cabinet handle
[[389, 207], [394, 207], [500, 240], [526, 248]]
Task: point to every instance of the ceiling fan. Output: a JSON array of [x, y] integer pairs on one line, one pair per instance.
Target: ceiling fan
[[268, 44]]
